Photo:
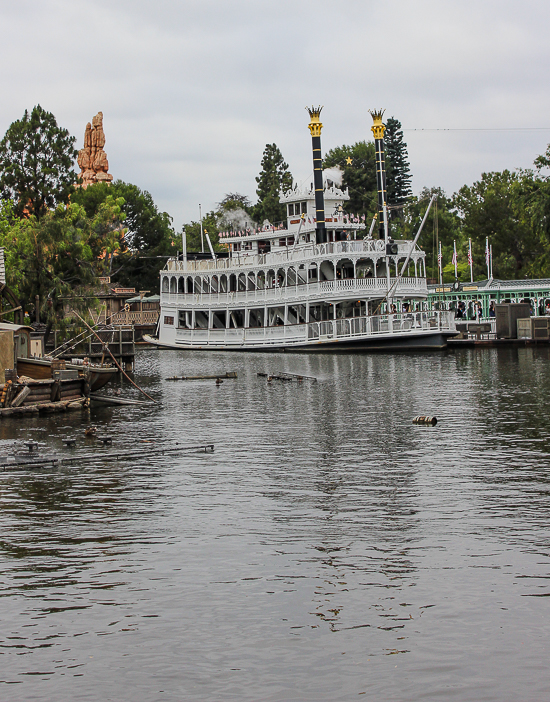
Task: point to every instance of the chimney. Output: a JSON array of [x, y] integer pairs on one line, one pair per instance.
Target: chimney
[[315, 127], [378, 131]]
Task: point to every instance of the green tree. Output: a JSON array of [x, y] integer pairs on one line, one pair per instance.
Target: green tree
[[234, 213], [273, 179], [500, 206], [398, 173], [235, 201], [36, 163], [442, 225], [210, 226], [56, 256], [150, 237], [358, 166]]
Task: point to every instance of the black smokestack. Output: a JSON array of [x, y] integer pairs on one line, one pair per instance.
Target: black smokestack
[[378, 131], [315, 127]]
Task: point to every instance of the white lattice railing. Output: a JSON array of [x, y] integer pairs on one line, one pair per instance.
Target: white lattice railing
[[347, 288], [417, 323]]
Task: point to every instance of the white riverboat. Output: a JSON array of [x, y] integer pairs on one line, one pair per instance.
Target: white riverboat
[[318, 282]]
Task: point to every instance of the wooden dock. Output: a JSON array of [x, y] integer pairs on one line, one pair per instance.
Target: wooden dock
[[455, 343], [119, 339]]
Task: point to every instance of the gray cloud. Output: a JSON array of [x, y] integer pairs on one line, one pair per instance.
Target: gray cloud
[[192, 91]]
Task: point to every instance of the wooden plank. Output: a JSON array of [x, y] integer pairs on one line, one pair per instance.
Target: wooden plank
[[105, 399], [230, 374], [20, 397]]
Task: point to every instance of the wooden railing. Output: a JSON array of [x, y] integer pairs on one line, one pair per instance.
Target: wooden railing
[[123, 317]]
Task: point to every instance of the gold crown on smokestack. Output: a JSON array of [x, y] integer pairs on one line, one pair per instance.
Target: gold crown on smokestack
[[315, 125], [378, 126]]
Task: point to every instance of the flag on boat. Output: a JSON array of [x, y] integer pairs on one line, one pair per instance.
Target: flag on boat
[[470, 261], [487, 252], [455, 258]]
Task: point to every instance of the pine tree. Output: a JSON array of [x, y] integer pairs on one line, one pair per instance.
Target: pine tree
[[398, 174], [358, 166], [36, 163], [274, 178]]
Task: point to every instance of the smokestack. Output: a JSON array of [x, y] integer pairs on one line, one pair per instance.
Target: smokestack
[[378, 131], [315, 127]]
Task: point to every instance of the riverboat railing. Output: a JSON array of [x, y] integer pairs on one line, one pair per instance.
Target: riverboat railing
[[349, 287], [248, 259], [416, 323]]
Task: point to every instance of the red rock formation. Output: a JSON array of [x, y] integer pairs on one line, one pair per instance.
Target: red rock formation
[[92, 159]]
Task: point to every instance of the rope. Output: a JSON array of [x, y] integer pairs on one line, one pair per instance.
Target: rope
[[106, 347]]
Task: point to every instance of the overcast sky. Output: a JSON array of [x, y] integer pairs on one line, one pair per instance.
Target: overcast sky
[[192, 90]]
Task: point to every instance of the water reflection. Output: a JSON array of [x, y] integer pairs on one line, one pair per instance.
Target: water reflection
[[327, 548]]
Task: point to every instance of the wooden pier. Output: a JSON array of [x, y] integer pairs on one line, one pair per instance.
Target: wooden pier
[[119, 339]]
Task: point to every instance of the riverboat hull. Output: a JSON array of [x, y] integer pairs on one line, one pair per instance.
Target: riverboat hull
[[387, 333], [431, 342]]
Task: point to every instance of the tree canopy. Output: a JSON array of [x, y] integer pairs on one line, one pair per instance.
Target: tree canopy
[[273, 178], [398, 172], [150, 237], [36, 163], [358, 165], [59, 255]]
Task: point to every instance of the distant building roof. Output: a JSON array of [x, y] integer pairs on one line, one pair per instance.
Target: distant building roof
[[152, 298]]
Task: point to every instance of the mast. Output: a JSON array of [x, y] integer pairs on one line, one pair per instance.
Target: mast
[[378, 131], [315, 127], [383, 228]]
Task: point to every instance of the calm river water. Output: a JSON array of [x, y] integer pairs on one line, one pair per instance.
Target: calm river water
[[327, 550]]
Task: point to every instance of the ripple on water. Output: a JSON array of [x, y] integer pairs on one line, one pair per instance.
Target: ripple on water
[[328, 548]]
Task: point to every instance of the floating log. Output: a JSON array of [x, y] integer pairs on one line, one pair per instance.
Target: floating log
[[119, 456], [28, 409], [46, 407], [426, 421], [230, 374], [287, 376], [106, 400]]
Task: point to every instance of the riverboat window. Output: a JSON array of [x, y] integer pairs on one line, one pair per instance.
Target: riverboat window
[[201, 320], [264, 247], [256, 318], [299, 207], [184, 319], [237, 319], [297, 314], [290, 240], [312, 274], [218, 320], [282, 241], [276, 316], [169, 320]]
